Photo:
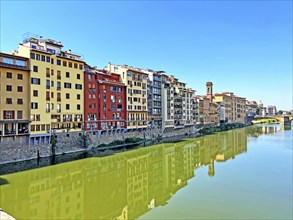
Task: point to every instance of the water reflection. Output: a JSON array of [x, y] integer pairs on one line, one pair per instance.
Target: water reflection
[[122, 186]]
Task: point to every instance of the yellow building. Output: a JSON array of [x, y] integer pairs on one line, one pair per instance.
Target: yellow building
[[136, 81], [56, 87], [234, 106], [14, 99], [208, 111]]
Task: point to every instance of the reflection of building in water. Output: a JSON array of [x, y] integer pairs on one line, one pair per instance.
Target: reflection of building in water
[[285, 127], [122, 186], [45, 193]]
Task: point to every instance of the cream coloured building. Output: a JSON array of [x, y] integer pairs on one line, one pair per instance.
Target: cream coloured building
[[137, 106], [56, 87]]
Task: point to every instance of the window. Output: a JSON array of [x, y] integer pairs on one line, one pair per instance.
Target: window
[[19, 114], [51, 51], [9, 75], [8, 114], [78, 86], [19, 76], [37, 56], [48, 59], [47, 107], [67, 106], [32, 56], [47, 72], [35, 93], [34, 105], [70, 64], [36, 81], [19, 88], [78, 107], [78, 96], [8, 87], [52, 72], [78, 76], [58, 107], [19, 101], [35, 69], [75, 65], [33, 128], [59, 62], [67, 96], [64, 63], [20, 63], [7, 60], [47, 84], [38, 117], [80, 66], [58, 74], [67, 85], [52, 61], [67, 74], [58, 85], [43, 58], [8, 100], [58, 96], [47, 96]]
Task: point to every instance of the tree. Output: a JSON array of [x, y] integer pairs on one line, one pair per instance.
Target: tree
[[84, 140], [53, 143], [280, 112]]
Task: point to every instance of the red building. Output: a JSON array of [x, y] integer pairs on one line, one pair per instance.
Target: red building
[[104, 100]]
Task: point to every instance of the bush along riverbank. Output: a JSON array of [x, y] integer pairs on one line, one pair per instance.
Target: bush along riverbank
[[125, 142], [224, 127]]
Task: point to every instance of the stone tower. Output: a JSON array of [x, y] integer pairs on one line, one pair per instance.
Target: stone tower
[[209, 86]]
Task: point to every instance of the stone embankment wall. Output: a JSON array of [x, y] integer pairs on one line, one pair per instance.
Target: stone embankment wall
[[18, 150]]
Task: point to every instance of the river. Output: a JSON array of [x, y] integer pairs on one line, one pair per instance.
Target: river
[[239, 174]]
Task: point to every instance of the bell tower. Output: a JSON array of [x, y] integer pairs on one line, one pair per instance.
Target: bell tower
[[209, 93]]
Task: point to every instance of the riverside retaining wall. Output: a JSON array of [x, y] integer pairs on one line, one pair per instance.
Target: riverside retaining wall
[[66, 142]]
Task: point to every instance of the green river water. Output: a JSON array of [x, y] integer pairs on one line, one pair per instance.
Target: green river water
[[239, 174]]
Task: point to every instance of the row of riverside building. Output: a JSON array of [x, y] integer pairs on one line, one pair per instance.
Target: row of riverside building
[[45, 89]]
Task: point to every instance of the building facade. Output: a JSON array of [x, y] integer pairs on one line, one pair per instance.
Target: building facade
[[235, 107], [168, 111], [183, 104], [251, 108], [137, 103], [154, 92], [15, 97], [104, 100], [56, 88], [271, 110]]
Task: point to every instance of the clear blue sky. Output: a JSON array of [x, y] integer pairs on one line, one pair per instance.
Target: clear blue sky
[[241, 46]]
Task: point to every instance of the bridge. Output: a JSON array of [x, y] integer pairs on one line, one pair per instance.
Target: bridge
[[282, 119]]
